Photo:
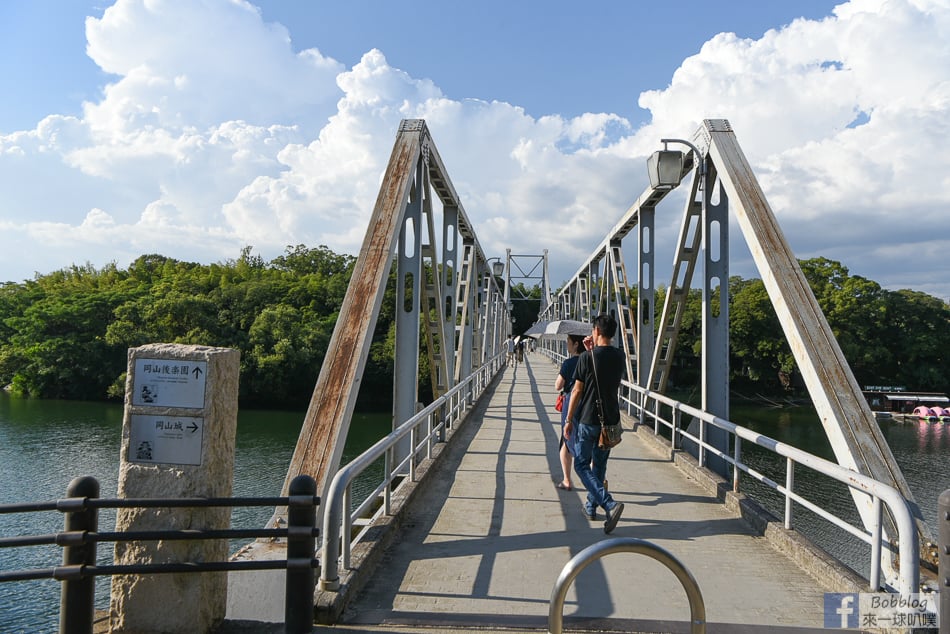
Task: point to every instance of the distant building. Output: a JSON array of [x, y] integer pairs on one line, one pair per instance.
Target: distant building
[[897, 400]]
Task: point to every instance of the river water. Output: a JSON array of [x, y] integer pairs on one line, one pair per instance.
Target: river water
[[44, 444], [922, 451]]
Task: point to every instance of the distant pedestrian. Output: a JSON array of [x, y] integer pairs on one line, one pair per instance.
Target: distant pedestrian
[[510, 346], [563, 384], [596, 387], [520, 350]]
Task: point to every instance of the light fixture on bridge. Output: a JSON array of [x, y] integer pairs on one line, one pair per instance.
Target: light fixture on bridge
[[497, 267], [665, 167]]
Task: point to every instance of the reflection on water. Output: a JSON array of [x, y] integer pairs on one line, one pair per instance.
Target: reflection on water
[[45, 444]]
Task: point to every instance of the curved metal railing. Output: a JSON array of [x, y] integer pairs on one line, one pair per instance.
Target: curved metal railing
[[906, 581], [645, 405], [697, 608]]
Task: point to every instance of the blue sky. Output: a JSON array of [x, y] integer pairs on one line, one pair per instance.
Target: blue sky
[[194, 127], [547, 57]]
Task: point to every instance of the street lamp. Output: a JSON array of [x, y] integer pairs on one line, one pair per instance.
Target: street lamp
[[497, 268], [665, 167]]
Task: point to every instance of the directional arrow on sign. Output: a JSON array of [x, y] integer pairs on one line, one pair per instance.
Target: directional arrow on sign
[[193, 427], [197, 372]]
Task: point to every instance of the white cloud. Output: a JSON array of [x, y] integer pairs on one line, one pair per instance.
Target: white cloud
[[216, 133], [839, 191]]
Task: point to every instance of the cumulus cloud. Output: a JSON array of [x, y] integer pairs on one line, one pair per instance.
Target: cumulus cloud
[[216, 133], [841, 120]]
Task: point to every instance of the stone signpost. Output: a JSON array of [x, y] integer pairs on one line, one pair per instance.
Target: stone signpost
[[178, 436]]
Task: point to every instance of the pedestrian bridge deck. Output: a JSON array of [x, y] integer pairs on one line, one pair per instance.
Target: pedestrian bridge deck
[[487, 541]]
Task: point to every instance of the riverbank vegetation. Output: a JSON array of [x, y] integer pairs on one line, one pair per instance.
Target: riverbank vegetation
[[66, 334]]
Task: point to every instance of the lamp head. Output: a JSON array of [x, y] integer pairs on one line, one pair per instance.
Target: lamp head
[[665, 168], [497, 268]]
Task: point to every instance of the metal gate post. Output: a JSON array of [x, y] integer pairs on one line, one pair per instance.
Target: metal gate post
[[943, 567], [78, 595], [301, 544]]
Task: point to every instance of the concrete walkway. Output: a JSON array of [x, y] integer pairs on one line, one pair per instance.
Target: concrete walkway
[[485, 549]]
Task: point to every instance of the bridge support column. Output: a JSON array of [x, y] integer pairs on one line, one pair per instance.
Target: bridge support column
[[715, 343], [408, 284], [646, 296]]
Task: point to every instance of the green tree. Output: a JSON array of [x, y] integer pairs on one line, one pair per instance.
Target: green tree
[[759, 352], [856, 310], [55, 345], [917, 334]]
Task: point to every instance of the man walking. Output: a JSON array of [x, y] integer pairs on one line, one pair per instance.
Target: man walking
[[512, 360], [594, 401]]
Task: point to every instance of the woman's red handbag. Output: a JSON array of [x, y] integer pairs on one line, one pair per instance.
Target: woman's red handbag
[[559, 403]]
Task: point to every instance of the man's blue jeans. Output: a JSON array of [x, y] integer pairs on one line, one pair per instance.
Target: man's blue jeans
[[585, 451]]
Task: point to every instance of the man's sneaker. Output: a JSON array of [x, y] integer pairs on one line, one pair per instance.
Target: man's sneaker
[[613, 516], [590, 514]]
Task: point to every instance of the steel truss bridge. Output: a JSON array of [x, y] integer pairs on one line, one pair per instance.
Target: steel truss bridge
[[451, 303]]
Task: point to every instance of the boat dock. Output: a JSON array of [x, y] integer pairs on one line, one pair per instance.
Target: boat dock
[[482, 545]]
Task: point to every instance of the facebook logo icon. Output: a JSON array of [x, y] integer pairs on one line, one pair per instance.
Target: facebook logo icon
[[841, 609]]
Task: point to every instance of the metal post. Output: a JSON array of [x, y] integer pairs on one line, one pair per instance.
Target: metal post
[[737, 457], [876, 537], [301, 544], [789, 487], [943, 568], [697, 606], [702, 443], [78, 596], [413, 444]]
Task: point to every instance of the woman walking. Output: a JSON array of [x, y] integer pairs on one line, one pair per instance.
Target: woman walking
[[563, 384]]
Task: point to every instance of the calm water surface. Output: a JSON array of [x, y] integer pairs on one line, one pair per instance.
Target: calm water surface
[[922, 451], [45, 444]]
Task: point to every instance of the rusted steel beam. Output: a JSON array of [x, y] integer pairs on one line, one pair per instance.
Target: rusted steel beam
[[320, 444], [845, 415]]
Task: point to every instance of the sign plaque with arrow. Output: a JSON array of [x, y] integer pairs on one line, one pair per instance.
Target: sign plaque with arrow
[[165, 439], [169, 383]]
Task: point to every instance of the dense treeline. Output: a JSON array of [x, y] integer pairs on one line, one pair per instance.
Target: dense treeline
[[66, 334], [893, 338]]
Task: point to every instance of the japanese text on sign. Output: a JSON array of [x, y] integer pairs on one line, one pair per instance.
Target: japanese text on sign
[[165, 439], [169, 383]]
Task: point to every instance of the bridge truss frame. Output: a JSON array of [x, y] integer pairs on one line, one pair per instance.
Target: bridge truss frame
[[721, 178], [444, 289], [466, 315]]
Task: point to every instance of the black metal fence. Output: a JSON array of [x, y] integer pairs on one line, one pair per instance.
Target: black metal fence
[[81, 536]]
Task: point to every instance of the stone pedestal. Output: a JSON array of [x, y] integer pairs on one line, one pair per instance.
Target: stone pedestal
[[178, 436]]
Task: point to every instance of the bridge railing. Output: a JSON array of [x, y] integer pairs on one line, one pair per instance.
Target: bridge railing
[[429, 426], [82, 535], [649, 406], [646, 406]]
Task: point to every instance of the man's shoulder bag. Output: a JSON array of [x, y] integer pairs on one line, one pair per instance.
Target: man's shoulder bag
[[610, 435]]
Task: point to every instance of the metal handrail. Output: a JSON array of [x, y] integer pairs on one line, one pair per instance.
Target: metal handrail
[[697, 607], [80, 538], [908, 577], [338, 522]]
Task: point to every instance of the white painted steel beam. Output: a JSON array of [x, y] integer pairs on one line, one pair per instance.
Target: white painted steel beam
[[854, 433]]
